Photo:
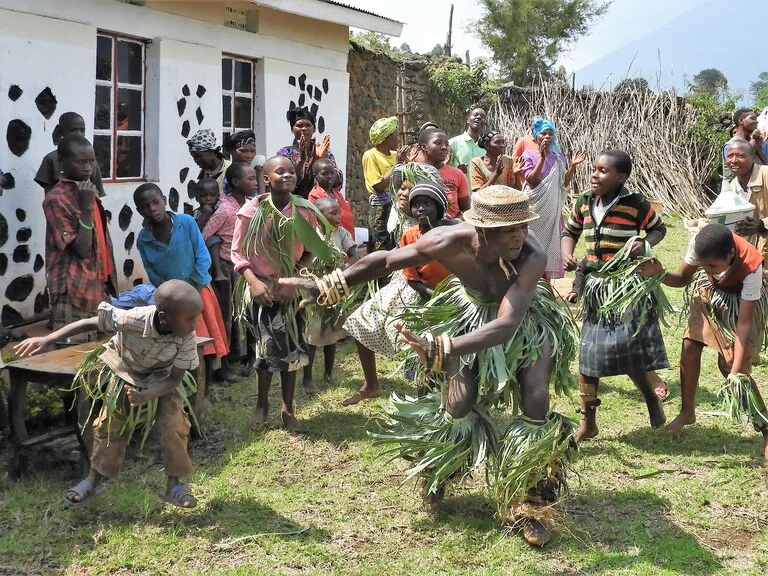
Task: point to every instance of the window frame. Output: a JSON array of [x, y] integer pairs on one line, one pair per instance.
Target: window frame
[[114, 84], [233, 94]]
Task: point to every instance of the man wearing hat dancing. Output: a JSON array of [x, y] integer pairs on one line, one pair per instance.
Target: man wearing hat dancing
[[492, 335]]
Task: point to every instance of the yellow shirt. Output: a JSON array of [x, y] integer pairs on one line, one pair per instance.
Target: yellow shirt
[[375, 166]]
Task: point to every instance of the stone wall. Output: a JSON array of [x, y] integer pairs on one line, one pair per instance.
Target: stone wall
[[380, 86]]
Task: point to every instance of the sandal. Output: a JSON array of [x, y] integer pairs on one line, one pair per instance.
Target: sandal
[[85, 491], [178, 495]]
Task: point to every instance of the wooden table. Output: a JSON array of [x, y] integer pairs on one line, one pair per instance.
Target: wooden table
[[57, 368]]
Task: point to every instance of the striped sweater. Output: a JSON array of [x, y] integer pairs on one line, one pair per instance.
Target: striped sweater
[[625, 217]]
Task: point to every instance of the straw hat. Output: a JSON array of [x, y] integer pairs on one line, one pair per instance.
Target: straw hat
[[499, 206]]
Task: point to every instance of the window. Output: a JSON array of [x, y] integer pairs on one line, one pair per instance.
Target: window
[[118, 135], [237, 94]]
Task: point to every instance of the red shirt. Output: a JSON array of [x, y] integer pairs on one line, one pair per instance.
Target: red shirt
[[456, 187], [347, 218], [80, 278], [432, 273], [747, 260]]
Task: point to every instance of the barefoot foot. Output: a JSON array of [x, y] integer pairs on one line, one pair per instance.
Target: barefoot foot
[[587, 430], [311, 387], [656, 412], [765, 445], [534, 532], [289, 421], [258, 418], [329, 380], [682, 419], [362, 394]]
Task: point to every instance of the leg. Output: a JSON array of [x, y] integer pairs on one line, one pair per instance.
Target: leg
[[371, 387], [308, 381], [589, 402], [17, 406], [259, 416], [644, 382], [288, 381], [218, 273], [659, 386], [462, 389], [174, 427], [690, 368], [329, 353]]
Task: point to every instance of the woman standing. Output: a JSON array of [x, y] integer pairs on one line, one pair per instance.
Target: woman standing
[[241, 148], [305, 150], [494, 167], [207, 155], [546, 183]]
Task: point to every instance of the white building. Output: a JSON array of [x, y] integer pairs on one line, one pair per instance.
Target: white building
[[170, 67]]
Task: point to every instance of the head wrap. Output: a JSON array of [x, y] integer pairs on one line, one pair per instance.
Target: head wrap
[[296, 114], [239, 139], [431, 190], [382, 129], [486, 138], [541, 124], [413, 172], [203, 141]]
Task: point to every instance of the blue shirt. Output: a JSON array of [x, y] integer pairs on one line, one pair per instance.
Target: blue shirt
[[185, 257]]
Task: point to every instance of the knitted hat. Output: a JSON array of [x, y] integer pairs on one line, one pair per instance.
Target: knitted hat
[[499, 206], [430, 190]]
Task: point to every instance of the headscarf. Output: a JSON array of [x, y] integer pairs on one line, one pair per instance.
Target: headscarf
[[239, 139], [541, 124], [382, 129], [486, 138], [413, 172], [203, 141], [431, 190], [296, 114]]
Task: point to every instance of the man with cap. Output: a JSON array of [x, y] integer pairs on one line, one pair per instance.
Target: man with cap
[[491, 335]]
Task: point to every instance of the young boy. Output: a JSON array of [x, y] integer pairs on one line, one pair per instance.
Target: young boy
[[207, 193], [608, 215], [326, 178], [378, 163], [734, 272], [433, 144], [325, 325], [172, 248], [277, 321], [152, 348], [78, 251]]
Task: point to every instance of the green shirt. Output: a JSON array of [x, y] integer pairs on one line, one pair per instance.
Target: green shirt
[[463, 150]]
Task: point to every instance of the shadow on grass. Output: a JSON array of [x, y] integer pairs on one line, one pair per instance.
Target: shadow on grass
[[337, 427], [696, 438], [703, 395]]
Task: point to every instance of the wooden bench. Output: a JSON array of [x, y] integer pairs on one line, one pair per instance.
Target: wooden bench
[[57, 369]]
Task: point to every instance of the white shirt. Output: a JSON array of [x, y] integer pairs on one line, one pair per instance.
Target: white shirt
[[743, 194], [750, 289]]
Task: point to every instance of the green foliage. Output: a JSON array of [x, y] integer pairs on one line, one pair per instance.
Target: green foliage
[[460, 85], [527, 36], [633, 85], [709, 80], [373, 41], [707, 126], [438, 50], [759, 91], [761, 99]]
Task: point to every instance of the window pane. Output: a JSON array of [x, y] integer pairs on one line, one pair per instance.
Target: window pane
[[129, 62], [226, 109], [129, 150], [243, 76], [102, 145], [129, 105], [103, 114], [242, 113], [103, 58], [226, 74]]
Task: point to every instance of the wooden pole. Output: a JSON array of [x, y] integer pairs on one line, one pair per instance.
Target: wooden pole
[[448, 45]]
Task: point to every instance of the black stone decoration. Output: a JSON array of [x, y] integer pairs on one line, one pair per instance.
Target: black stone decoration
[[10, 316], [302, 99], [21, 253], [181, 106], [14, 92], [20, 288], [325, 85], [17, 136], [313, 110], [199, 115], [23, 234], [128, 267], [108, 216], [291, 106], [124, 218], [321, 125], [185, 129], [46, 103], [185, 90], [310, 90], [200, 91], [38, 265], [129, 240], [188, 208], [318, 94], [183, 173], [173, 199], [3, 230], [41, 302], [3, 263], [10, 182], [302, 81], [292, 80], [192, 189], [21, 215]]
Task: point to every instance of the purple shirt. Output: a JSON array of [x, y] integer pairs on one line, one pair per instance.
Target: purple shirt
[[531, 159]]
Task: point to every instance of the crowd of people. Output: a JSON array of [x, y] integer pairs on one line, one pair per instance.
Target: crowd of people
[[463, 241]]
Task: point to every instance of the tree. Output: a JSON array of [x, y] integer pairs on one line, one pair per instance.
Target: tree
[[438, 50], [372, 40], [709, 80], [460, 85], [404, 47], [527, 36], [633, 85], [759, 91]]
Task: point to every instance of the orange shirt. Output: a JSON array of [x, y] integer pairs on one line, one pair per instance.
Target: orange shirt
[[347, 218], [456, 187], [431, 274]]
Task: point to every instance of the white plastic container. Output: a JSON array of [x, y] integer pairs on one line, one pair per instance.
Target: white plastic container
[[729, 209]]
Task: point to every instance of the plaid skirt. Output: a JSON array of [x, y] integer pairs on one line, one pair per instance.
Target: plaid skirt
[[64, 313], [627, 348], [276, 351]]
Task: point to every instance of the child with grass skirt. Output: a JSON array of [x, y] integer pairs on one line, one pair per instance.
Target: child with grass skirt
[[727, 293], [609, 215], [140, 377]]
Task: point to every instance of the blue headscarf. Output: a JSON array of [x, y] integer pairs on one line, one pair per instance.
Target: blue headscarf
[[541, 124]]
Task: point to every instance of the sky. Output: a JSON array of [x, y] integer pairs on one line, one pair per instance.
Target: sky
[[426, 24]]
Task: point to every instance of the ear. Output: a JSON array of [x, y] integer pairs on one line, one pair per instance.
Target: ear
[[162, 317], [623, 177]]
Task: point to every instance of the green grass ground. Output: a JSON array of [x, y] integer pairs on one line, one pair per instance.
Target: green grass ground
[[322, 502]]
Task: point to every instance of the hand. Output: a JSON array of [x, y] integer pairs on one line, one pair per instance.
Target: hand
[[86, 194], [500, 164], [303, 148], [578, 158], [403, 154], [750, 226], [419, 344], [569, 262], [462, 167], [260, 293], [571, 297], [32, 346], [544, 148], [650, 269], [285, 294], [308, 286], [638, 249], [517, 167], [321, 150], [207, 210], [135, 398]]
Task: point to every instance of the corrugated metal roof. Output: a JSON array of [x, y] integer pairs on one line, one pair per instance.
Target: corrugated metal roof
[[356, 9]]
